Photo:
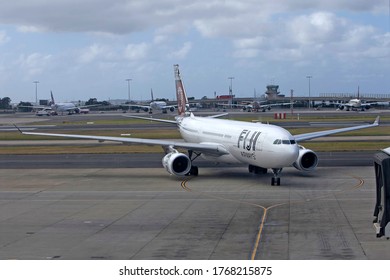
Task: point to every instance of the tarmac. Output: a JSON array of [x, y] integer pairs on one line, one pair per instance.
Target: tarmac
[[117, 207], [225, 213]]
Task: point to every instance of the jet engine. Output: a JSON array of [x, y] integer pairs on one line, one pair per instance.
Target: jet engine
[[341, 107], [172, 109], [177, 163], [307, 160]]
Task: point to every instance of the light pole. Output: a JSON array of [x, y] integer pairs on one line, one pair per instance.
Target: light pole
[[309, 77], [128, 87], [231, 90], [231, 86], [36, 92]]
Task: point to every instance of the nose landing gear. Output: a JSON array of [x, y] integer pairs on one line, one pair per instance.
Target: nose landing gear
[[275, 180]]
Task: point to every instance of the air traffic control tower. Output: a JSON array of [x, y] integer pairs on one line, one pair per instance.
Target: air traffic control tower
[[273, 92], [382, 205]]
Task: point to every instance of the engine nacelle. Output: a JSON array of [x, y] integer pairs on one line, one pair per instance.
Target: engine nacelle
[[307, 160], [341, 107], [177, 163], [171, 109]]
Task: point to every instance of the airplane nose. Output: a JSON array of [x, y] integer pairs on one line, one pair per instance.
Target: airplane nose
[[290, 153]]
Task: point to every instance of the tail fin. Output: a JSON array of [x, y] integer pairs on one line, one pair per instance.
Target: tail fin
[[358, 94], [180, 92], [52, 98]]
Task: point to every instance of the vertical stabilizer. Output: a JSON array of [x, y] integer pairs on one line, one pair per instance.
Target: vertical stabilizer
[[52, 98], [358, 97], [180, 92]]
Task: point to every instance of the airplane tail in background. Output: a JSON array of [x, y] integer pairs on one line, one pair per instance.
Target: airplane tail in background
[[358, 95], [151, 94], [52, 98], [180, 92]]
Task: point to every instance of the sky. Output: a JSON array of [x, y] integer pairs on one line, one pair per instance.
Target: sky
[[87, 49]]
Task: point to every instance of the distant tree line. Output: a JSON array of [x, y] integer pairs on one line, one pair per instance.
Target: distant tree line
[[93, 101], [5, 103]]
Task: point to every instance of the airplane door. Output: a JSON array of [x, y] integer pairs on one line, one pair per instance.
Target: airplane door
[[260, 141]]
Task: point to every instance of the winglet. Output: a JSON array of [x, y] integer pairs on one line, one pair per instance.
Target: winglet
[[18, 128], [376, 122]]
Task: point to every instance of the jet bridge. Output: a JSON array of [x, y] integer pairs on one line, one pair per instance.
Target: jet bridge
[[382, 205]]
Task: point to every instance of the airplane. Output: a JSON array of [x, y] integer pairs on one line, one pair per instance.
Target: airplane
[[154, 105], [254, 105], [68, 107], [355, 104], [257, 106], [259, 146], [63, 107]]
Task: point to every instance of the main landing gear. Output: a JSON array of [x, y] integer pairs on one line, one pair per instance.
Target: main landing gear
[[256, 169], [275, 180], [194, 171]]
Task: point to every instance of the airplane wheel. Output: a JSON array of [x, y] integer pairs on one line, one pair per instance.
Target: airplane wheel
[[275, 181], [194, 171]]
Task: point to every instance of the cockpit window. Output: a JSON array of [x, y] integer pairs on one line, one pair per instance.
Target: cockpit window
[[284, 142]]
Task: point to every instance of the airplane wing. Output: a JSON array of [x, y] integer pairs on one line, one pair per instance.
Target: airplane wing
[[150, 119], [209, 148], [276, 104], [168, 121], [312, 135], [140, 107], [36, 107]]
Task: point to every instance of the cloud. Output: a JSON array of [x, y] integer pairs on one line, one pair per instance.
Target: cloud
[[313, 37], [143, 35], [3, 37], [210, 17], [30, 29], [136, 51], [92, 53], [34, 64], [183, 52]]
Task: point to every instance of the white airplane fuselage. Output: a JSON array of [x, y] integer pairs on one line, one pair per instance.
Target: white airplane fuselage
[[64, 107], [250, 143], [355, 103], [158, 105]]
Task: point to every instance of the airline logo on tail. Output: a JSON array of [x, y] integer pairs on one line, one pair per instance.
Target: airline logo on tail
[[180, 92]]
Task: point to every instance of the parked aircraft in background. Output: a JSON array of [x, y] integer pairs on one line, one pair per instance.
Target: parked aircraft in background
[[153, 106], [68, 107], [59, 108], [262, 106], [356, 104], [254, 106], [259, 146]]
